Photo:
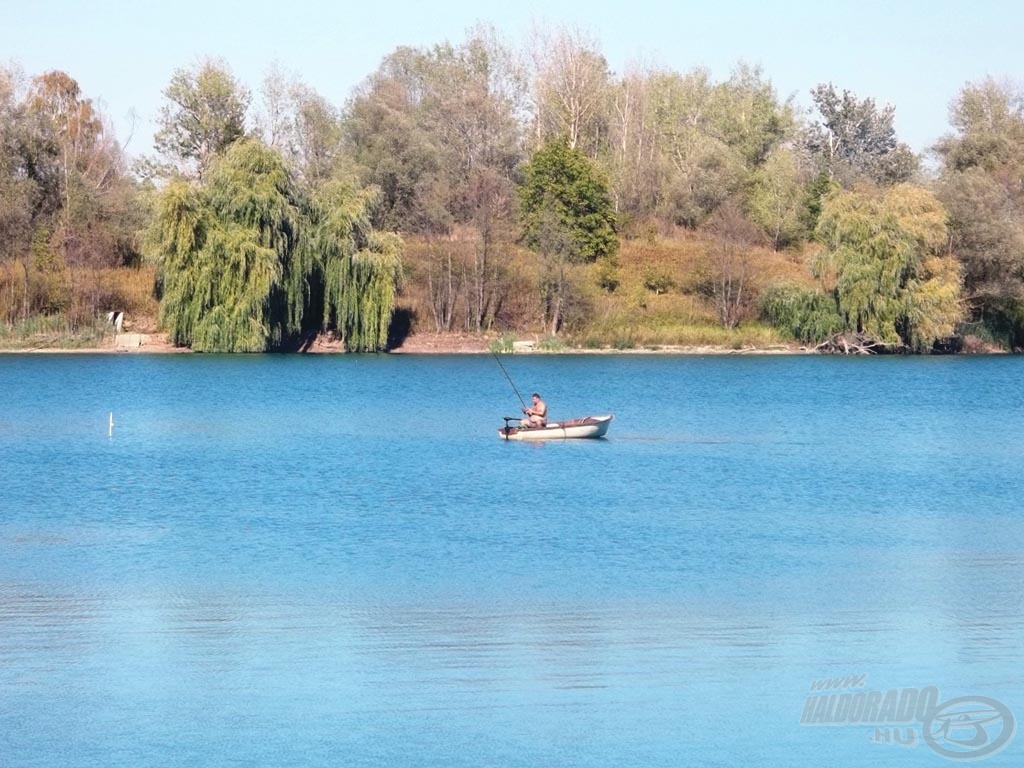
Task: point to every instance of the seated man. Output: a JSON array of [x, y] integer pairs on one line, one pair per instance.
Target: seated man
[[536, 415]]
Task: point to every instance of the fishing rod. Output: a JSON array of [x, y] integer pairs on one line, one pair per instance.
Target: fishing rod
[[514, 389]]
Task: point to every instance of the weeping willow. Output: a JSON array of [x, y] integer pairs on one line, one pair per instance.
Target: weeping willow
[[362, 268], [248, 261], [809, 315], [891, 283]]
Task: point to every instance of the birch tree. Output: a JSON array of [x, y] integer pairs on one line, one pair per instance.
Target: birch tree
[[570, 84]]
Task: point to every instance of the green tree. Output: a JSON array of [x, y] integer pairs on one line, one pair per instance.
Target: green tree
[[884, 253], [567, 219], [748, 116], [395, 149], [988, 118], [698, 169], [203, 116], [27, 172], [775, 199], [808, 315], [228, 253], [359, 268], [980, 184], [436, 130], [248, 260], [682, 144], [815, 193], [854, 139], [561, 181], [553, 243]]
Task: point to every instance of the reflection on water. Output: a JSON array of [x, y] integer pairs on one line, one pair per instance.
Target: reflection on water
[[660, 676], [312, 579]]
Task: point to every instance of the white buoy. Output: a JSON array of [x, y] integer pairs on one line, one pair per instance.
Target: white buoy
[[110, 427]]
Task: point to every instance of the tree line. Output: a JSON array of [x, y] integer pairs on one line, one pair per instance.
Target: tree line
[[67, 198], [278, 214]]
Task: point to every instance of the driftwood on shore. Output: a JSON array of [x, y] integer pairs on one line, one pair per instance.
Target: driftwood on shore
[[852, 344]]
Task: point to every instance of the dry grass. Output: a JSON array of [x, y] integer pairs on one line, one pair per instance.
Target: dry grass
[[629, 333], [663, 296], [688, 259], [53, 332], [67, 307]]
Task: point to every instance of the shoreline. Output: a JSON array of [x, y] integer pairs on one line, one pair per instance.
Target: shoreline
[[417, 344], [127, 344], [428, 344], [681, 351]]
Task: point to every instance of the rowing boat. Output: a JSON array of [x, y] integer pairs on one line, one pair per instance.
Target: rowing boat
[[587, 427]]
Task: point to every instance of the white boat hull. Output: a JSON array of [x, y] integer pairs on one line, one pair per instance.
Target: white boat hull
[[587, 427]]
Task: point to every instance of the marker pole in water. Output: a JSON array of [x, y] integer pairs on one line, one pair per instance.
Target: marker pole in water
[[110, 425]]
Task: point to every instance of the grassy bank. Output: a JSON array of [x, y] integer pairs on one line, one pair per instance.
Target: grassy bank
[[664, 291], [54, 332], [66, 308]]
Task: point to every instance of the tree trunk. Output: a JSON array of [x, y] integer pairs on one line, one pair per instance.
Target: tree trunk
[[556, 315], [556, 311]]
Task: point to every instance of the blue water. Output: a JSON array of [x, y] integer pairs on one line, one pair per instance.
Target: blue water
[[326, 561]]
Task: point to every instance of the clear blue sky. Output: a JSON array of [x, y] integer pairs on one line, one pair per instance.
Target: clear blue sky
[[913, 54]]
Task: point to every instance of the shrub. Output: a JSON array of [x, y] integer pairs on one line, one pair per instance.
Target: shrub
[[551, 344], [658, 281], [504, 344], [808, 315]]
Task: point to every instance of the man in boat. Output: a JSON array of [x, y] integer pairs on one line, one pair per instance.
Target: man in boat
[[537, 414]]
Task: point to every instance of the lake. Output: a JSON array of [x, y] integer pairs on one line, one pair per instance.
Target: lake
[[333, 560]]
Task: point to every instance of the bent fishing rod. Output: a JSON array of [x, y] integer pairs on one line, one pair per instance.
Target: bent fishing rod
[[514, 389]]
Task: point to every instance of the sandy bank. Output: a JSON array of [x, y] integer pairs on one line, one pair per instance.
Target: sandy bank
[[124, 344], [454, 343]]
